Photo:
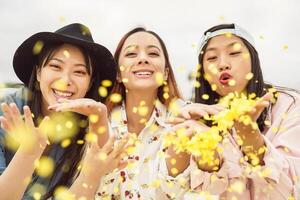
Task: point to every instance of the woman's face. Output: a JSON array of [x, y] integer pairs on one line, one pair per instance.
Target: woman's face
[[227, 64], [65, 76], [142, 62]]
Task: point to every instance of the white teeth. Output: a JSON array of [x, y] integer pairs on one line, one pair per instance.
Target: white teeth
[[143, 73], [63, 94]]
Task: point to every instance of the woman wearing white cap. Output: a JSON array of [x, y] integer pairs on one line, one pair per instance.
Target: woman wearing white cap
[[226, 56]]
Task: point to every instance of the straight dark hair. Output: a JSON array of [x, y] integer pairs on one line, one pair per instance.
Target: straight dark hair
[[65, 168], [255, 85]]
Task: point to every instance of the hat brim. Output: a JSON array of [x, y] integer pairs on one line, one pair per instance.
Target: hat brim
[[25, 59]]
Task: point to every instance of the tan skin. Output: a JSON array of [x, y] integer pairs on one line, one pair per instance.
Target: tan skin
[[224, 54]]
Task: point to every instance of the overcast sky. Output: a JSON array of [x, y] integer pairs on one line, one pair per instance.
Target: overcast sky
[[274, 24]]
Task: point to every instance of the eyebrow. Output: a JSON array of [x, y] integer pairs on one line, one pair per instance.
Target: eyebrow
[[148, 47], [214, 48], [60, 60]]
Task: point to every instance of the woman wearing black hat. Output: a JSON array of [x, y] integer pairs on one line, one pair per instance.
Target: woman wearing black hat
[[62, 71]]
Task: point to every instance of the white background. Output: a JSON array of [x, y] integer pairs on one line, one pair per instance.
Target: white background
[[180, 23]]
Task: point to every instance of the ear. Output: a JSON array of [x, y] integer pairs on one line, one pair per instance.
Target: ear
[[119, 79], [166, 74], [38, 74]]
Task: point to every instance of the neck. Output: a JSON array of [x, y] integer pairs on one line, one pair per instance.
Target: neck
[[139, 108]]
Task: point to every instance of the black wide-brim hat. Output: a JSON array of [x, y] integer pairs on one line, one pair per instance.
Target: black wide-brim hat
[[25, 58]]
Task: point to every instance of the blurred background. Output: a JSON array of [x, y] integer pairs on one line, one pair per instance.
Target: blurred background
[[274, 24]]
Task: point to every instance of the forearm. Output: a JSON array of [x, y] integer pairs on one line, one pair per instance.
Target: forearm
[[17, 175], [100, 128], [252, 143], [85, 185]]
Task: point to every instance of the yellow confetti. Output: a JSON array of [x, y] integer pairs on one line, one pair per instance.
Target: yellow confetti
[[60, 85], [106, 83], [102, 156], [125, 80], [93, 118], [91, 137], [159, 78], [66, 53], [122, 68], [238, 187], [249, 76], [205, 96], [69, 124], [166, 95], [101, 130], [285, 47], [237, 46], [246, 55], [44, 166], [80, 141], [228, 35], [196, 84], [65, 143], [115, 98], [143, 110], [63, 193], [102, 91], [174, 171], [213, 87], [232, 82], [37, 48]]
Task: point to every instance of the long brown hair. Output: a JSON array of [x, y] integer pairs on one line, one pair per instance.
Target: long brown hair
[[169, 85]]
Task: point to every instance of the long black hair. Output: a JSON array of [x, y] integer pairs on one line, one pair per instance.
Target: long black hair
[[255, 85], [66, 166]]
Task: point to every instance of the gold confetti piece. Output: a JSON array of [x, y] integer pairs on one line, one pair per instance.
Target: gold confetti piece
[[125, 80], [37, 48], [44, 166], [115, 98], [261, 37], [65, 143], [63, 193], [122, 68], [267, 122], [66, 54], [102, 156], [213, 87], [232, 82], [60, 85], [205, 96], [173, 161], [116, 190], [80, 141], [246, 55], [180, 69], [238, 187], [143, 110], [196, 84], [37, 195], [174, 171], [91, 137], [101, 130], [237, 46], [84, 185], [228, 35], [166, 96], [93, 118], [62, 19], [207, 77], [102, 91], [285, 47], [106, 83], [159, 78], [69, 124], [222, 18], [249, 76]]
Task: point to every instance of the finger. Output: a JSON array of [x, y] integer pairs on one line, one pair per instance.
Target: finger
[[16, 115], [198, 112], [108, 147], [28, 117], [5, 125], [175, 120], [7, 112], [119, 148], [185, 114]]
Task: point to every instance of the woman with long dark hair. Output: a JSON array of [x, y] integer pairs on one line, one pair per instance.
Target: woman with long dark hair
[[259, 161], [65, 124]]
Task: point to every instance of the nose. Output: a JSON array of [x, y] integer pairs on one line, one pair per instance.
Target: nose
[[66, 78], [223, 64], [143, 58]]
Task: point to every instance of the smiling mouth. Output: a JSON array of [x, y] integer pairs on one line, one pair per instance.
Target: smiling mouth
[[225, 78], [62, 94], [143, 74]]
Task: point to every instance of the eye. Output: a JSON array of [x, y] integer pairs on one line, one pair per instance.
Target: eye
[[212, 58], [130, 54], [235, 53], [54, 66], [154, 54], [80, 72]]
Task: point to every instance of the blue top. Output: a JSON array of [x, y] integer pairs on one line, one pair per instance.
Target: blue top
[[19, 96]]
